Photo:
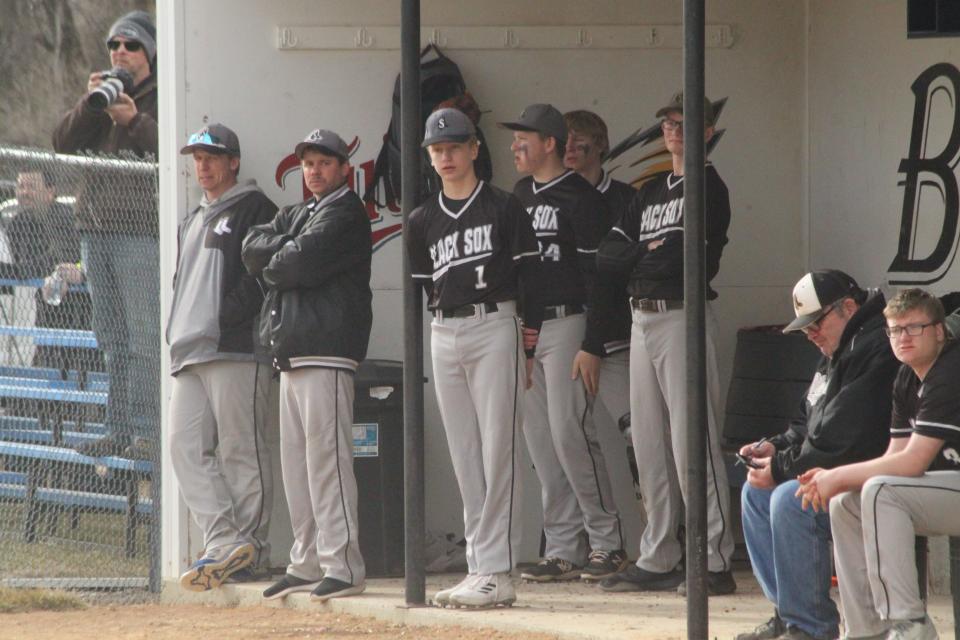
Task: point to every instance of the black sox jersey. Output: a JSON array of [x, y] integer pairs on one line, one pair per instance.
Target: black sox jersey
[[656, 214], [568, 215], [931, 407], [478, 253], [609, 331]]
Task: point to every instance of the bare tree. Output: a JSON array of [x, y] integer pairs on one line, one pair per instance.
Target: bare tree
[[50, 47]]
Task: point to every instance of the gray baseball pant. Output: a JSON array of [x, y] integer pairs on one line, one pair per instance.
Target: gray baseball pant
[[879, 559], [479, 373], [562, 442], [658, 410], [316, 455], [218, 417]]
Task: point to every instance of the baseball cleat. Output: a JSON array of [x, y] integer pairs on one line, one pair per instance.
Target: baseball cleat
[[212, 569], [442, 597], [603, 564], [485, 592], [551, 570]]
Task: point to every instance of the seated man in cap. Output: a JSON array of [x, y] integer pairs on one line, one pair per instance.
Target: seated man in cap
[[220, 386], [315, 260], [878, 506], [843, 418]]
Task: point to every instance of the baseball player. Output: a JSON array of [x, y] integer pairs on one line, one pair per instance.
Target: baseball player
[[606, 351], [647, 243], [880, 505], [567, 215], [218, 402], [315, 260], [473, 248]]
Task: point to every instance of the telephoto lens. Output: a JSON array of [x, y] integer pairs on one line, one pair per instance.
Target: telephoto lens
[[115, 82]]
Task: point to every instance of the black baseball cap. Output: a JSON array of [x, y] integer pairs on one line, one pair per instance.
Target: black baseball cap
[[215, 138], [542, 118], [448, 125], [676, 104], [815, 292], [324, 141]]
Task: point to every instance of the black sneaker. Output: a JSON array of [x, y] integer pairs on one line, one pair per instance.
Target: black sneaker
[[603, 564], [333, 588], [248, 574], [551, 570], [288, 584], [719, 583], [633, 578], [769, 630]]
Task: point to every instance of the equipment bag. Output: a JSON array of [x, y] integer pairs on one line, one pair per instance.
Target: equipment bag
[[441, 85]]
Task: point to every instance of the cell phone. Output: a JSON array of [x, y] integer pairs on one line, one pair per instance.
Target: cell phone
[[747, 462]]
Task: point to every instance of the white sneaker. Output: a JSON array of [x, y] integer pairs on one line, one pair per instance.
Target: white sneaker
[[485, 592], [442, 597], [910, 630]]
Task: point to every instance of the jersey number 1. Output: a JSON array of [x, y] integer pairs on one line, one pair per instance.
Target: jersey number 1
[[481, 283]]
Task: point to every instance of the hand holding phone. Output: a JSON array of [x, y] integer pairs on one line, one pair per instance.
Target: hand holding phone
[[748, 462]]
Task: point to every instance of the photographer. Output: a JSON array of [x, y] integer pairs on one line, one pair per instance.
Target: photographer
[[117, 219]]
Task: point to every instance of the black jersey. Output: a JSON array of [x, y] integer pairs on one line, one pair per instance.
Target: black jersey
[[656, 213], [610, 295], [567, 214], [474, 254], [931, 407]]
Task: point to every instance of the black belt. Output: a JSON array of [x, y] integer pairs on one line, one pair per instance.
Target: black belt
[[649, 305], [555, 312], [467, 310]]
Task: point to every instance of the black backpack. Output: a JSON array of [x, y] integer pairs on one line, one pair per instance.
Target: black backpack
[[440, 82]]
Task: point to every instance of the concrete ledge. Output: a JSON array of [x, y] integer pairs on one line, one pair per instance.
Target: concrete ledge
[[573, 611]]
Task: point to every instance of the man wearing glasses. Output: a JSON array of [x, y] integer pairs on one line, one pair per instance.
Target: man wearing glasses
[[647, 245], [842, 419], [117, 220], [911, 489]]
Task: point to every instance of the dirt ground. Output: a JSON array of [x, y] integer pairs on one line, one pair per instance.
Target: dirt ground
[[164, 622]]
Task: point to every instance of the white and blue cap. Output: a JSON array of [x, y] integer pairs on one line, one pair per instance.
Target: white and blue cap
[[448, 125], [215, 138], [324, 141], [816, 292]]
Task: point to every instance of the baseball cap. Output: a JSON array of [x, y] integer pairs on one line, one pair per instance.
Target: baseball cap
[[216, 138], [676, 104], [448, 125], [325, 141], [815, 292], [542, 118]]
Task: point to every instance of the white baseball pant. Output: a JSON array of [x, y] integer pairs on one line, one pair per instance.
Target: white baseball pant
[[479, 373], [316, 454], [562, 442], [879, 559], [658, 410], [218, 416]]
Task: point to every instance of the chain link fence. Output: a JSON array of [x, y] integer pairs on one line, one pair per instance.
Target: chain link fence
[[79, 372]]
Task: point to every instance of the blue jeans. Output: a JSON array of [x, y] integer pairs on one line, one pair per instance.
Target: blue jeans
[[790, 553], [123, 275]]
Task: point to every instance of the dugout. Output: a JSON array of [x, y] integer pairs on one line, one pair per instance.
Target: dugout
[[831, 106]]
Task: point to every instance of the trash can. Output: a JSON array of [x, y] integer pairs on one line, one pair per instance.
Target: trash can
[[378, 464]]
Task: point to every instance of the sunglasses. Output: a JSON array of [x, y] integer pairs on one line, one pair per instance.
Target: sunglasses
[[129, 45]]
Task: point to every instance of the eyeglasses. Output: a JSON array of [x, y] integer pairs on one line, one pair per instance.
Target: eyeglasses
[[815, 325], [912, 330], [669, 124], [129, 45]]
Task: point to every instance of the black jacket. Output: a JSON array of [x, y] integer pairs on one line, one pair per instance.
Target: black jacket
[[315, 260], [850, 421]]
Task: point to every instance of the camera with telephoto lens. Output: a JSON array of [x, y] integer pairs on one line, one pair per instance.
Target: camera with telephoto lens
[[115, 82]]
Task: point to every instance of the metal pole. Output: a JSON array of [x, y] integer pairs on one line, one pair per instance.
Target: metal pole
[[414, 513], [694, 295]]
